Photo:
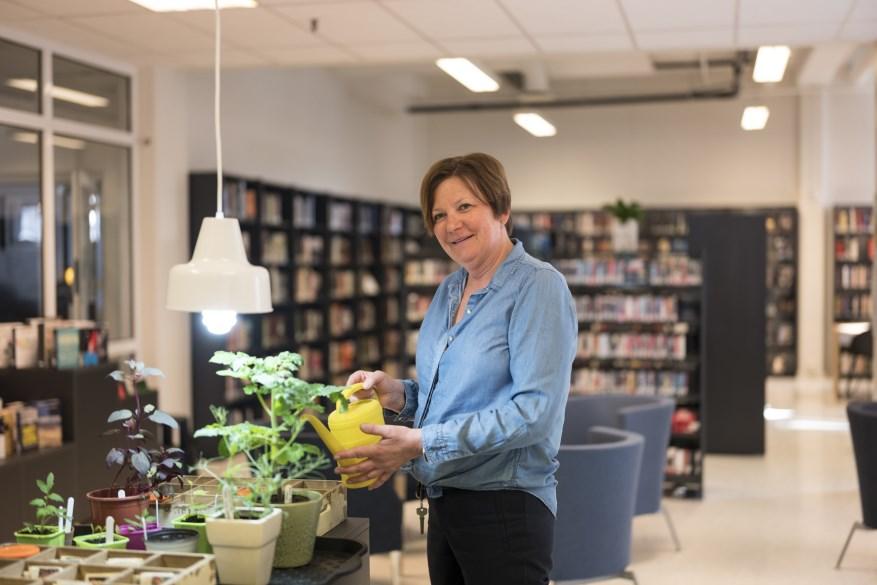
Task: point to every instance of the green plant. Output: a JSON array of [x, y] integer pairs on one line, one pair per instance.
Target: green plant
[[138, 521], [271, 451], [147, 468], [46, 509], [624, 211]]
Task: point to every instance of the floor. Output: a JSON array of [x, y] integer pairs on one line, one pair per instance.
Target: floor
[[776, 519]]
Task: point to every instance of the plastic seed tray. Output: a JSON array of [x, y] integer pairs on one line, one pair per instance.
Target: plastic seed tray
[[77, 566]]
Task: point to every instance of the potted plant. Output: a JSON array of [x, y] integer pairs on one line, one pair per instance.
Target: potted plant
[[173, 540], [144, 468], [198, 504], [139, 529], [625, 225], [100, 539], [48, 508], [272, 452]]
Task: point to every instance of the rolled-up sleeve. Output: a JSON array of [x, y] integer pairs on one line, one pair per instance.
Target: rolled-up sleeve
[[411, 390]]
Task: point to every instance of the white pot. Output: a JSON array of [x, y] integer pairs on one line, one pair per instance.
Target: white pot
[[625, 235], [244, 549]]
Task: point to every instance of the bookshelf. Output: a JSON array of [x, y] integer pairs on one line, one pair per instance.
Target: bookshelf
[[336, 266], [641, 325]]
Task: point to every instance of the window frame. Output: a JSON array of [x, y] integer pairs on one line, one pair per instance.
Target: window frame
[[47, 126]]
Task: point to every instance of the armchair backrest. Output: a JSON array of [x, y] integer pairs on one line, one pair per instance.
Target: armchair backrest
[[863, 429], [596, 489], [649, 416]]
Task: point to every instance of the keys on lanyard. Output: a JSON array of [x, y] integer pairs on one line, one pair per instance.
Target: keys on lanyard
[[422, 512]]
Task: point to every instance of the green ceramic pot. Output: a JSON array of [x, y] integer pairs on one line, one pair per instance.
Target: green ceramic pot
[[295, 545], [199, 527], [55, 538], [97, 541]]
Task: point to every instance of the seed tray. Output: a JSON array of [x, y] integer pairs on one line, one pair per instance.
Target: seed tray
[[76, 566]]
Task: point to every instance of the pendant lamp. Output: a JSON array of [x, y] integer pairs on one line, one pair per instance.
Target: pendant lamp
[[219, 282]]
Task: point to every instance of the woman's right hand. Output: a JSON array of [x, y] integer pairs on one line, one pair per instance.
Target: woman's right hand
[[390, 391]]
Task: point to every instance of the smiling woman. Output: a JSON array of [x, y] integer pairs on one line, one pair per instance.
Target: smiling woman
[[501, 331]]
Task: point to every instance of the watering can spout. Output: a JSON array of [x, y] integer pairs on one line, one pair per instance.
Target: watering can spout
[[326, 435]]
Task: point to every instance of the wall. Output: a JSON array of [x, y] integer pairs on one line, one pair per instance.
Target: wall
[[677, 154]]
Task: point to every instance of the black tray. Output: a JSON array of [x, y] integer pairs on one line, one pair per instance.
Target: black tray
[[333, 558]]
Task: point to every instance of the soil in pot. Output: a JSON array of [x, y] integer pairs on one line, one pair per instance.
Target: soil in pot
[[99, 541], [173, 540], [39, 534], [196, 522]]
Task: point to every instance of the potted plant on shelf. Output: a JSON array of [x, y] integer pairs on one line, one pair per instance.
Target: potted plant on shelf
[[101, 539], [144, 468], [48, 508], [272, 452], [625, 225], [198, 504]]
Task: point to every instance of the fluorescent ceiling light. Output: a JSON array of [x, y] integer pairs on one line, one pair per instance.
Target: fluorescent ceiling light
[[535, 124], [66, 94], [464, 71], [754, 118], [185, 5], [60, 141], [770, 64]]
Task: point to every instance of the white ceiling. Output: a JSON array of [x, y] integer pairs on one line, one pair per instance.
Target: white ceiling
[[382, 32]]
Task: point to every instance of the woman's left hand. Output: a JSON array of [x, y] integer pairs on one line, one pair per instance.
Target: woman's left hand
[[398, 445]]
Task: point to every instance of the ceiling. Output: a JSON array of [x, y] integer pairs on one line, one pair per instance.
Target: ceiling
[[572, 37]]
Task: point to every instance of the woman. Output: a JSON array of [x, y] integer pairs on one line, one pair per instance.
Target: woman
[[494, 356]]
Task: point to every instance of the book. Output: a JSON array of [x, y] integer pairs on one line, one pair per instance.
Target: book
[[7, 345], [49, 429], [27, 422], [25, 340], [67, 348]]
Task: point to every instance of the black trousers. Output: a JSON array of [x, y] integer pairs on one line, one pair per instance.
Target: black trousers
[[489, 537]]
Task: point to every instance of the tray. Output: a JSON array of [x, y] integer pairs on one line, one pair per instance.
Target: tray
[[333, 558]]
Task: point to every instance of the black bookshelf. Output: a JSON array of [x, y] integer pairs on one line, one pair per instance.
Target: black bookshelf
[[641, 331], [336, 267]]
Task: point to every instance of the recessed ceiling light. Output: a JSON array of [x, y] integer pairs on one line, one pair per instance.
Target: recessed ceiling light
[[464, 71], [535, 124], [186, 5], [754, 118], [66, 94], [770, 64]]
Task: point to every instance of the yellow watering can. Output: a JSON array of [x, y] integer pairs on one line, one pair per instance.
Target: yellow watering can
[[345, 432]]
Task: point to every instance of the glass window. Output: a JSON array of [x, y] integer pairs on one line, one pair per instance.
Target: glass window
[[91, 95], [20, 224], [93, 233], [19, 77]]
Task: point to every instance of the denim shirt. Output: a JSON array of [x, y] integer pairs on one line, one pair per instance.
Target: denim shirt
[[493, 387]]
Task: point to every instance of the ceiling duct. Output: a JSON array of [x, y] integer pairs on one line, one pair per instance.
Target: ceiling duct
[[519, 80]]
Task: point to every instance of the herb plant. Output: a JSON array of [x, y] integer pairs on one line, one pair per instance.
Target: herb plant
[[145, 468], [624, 211], [271, 451], [47, 510]]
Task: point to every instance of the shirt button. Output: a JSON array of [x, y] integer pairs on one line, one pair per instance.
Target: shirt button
[[468, 311], [451, 338]]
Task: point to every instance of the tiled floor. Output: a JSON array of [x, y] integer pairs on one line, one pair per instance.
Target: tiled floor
[[780, 519]]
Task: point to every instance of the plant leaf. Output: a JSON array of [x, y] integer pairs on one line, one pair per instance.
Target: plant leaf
[[56, 498], [115, 457], [38, 502], [110, 432], [140, 461], [163, 418], [148, 408], [42, 485], [118, 415], [152, 372], [50, 481], [118, 376]]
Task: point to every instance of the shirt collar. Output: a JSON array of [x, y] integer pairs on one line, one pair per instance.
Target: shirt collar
[[502, 274]]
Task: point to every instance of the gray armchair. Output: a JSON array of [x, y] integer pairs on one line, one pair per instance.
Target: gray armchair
[[863, 429], [649, 416], [596, 491]]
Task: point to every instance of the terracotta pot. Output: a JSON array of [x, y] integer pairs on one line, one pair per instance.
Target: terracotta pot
[[105, 503]]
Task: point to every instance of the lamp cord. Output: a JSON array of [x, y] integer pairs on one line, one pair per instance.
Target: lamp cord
[[216, 121]]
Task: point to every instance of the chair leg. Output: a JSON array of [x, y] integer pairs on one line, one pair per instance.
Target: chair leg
[[671, 528], [630, 576], [856, 526]]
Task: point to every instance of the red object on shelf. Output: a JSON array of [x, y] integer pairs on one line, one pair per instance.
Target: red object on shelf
[[682, 421]]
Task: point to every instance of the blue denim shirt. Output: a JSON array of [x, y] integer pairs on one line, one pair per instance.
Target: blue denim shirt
[[493, 387]]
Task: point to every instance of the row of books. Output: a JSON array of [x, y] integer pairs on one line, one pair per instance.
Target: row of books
[[625, 308], [29, 426], [416, 306], [53, 343], [854, 277], [427, 272], [649, 382], [663, 271], [855, 307], [854, 249], [630, 346], [854, 220]]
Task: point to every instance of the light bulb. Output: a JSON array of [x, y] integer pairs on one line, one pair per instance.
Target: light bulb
[[219, 322]]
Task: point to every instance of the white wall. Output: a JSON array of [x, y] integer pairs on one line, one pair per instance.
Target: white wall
[[677, 154]]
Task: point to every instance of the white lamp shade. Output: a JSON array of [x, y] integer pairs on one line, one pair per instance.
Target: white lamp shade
[[219, 277]]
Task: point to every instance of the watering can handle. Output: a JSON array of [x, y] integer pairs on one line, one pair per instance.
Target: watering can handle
[[348, 392]]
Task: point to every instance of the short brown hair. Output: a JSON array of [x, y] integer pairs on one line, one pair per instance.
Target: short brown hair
[[485, 176]]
